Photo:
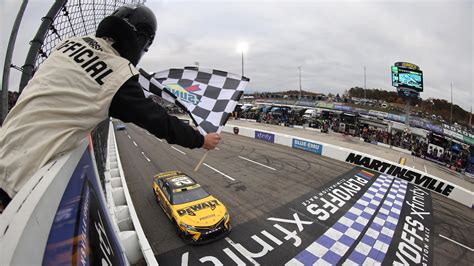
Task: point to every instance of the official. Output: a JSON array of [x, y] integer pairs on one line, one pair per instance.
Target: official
[[84, 81]]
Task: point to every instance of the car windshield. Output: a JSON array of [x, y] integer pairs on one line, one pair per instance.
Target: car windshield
[[189, 195]]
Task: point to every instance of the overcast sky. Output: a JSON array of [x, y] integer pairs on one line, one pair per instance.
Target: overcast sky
[[331, 40]]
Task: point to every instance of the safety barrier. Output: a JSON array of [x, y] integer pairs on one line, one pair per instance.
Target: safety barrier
[[60, 216], [427, 181], [25, 224], [121, 208]]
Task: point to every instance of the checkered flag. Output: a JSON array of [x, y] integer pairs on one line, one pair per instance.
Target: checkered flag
[[209, 96]]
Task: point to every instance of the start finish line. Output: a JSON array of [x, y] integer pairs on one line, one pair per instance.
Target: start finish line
[[359, 217]]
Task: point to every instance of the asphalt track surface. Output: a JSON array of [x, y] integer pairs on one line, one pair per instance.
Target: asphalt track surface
[[254, 179]]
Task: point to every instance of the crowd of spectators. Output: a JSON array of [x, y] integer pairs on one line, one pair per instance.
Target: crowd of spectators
[[170, 108], [456, 157], [452, 155], [377, 135]]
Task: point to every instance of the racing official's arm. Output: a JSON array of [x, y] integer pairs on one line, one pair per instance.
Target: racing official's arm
[[130, 105]]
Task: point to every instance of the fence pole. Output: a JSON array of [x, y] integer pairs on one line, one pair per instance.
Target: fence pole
[[37, 42], [8, 61]]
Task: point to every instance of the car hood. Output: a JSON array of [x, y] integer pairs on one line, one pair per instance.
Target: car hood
[[204, 212]]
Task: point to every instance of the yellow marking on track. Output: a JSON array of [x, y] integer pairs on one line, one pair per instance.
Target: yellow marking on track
[[402, 160]]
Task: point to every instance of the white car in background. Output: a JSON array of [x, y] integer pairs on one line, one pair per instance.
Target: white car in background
[[310, 113]]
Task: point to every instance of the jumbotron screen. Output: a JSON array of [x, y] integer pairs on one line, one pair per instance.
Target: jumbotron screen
[[407, 78]]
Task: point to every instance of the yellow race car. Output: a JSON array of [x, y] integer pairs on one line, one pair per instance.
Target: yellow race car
[[198, 216]]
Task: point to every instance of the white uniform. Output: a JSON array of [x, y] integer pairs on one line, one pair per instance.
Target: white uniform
[[68, 96]]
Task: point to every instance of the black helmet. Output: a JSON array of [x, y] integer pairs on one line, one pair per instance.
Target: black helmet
[[133, 29]]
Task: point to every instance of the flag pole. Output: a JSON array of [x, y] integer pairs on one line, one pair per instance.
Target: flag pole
[[201, 161]]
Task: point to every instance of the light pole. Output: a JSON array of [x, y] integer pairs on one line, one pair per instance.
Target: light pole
[[431, 104], [196, 64], [365, 85], [299, 68], [242, 63], [242, 48], [470, 115], [451, 119]]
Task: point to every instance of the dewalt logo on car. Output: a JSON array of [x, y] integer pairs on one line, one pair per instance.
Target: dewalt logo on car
[[190, 210]]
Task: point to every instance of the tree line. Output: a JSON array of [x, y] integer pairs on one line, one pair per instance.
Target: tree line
[[436, 107]]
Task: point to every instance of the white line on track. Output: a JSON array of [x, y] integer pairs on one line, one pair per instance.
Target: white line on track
[[185, 258], [159, 140], [271, 168], [215, 170], [129, 136], [148, 133], [134, 143], [180, 151], [426, 171], [145, 156], [217, 148], [456, 242]]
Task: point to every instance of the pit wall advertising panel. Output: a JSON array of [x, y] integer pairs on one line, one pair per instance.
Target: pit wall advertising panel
[[307, 146], [265, 136]]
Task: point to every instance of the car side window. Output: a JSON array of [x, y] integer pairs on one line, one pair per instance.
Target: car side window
[[159, 182], [166, 191]]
